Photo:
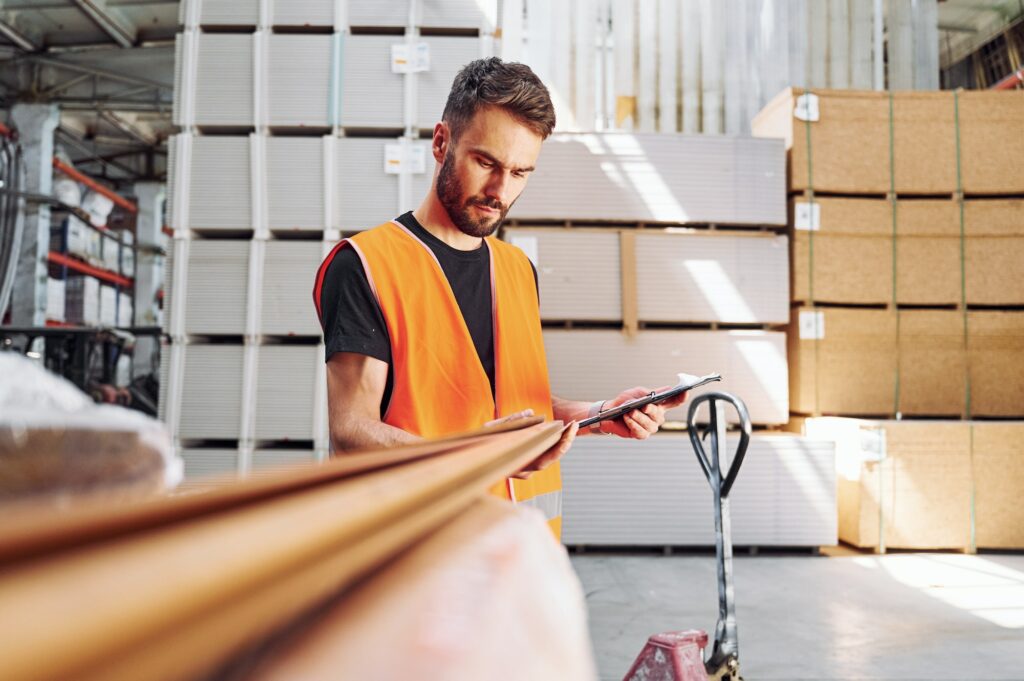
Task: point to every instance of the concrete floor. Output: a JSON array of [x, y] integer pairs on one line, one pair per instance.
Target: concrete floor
[[898, 616]]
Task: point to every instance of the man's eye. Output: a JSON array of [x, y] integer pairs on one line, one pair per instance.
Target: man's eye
[[519, 174], [486, 164]]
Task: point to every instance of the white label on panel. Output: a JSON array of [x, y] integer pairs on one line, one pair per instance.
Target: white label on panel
[[812, 325], [807, 216], [806, 108], [401, 158], [528, 245], [405, 61], [872, 444]]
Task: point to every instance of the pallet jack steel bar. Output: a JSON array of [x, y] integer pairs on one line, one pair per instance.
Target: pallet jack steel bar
[[677, 656]]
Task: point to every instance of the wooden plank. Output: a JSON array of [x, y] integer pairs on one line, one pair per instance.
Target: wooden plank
[[175, 601]]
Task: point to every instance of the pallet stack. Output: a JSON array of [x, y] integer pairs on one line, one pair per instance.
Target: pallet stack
[[907, 225], [663, 254], [300, 124]]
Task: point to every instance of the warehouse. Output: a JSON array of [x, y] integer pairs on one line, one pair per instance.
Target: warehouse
[[487, 339]]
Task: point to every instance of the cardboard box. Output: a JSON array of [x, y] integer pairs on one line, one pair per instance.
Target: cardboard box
[[853, 251], [55, 298], [847, 133], [108, 306], [844, 361], [909, 481], [82, 300]]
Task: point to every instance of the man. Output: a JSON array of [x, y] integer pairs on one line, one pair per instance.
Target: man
[[432, 325]]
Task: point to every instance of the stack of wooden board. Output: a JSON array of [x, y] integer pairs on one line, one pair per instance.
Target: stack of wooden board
[[907, 233], [941, 484]]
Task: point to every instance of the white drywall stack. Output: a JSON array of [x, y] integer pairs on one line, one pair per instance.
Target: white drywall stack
[[295, 130], [654, 493], [593, 364], [682, 179]]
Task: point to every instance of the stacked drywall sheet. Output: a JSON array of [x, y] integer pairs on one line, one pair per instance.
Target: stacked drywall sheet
[[856, 361], [288, 271], [682, 179], [366, 195], [941, 483], [598, 364], [373, 93], [263, 459], [295, 183], [216, 287], [211, 393], [224, 12], [298, 80], [285, 392], [653, 492], [854, 250], [318, 13], [690, 276], [458, 14], [201, 464], [219, 184], [909, 303], [222, 90]]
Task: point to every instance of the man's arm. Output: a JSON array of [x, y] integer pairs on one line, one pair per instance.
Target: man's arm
[[355, 387]]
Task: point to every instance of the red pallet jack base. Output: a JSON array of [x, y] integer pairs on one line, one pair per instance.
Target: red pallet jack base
[[671, 656]]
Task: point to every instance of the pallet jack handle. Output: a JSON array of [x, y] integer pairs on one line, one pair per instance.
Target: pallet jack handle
[[723, 663]]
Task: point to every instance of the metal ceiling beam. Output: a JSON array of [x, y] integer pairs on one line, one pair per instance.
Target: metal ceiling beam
[[111, 21], [10, 31], [127, 128], [102, 73], [957, 28]]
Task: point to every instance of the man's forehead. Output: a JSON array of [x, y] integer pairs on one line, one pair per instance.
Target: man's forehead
[[503, 137]]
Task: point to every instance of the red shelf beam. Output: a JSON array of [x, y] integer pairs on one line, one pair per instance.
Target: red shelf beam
[[85, 268], [5, 131], [95, 186]]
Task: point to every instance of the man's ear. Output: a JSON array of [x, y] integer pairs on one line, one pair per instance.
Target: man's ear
[[441, 140]]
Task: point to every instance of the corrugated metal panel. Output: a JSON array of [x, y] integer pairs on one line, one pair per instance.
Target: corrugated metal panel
[[224, 80], [215, 298], [628, 492], [295, 183], [285, 391], [365, 195], [578, 271], [371, 95], [298, 79], [447, 56], [303, 13], [220, 187], [665, 178], [288, 273], [590, 364], [229, 12], [712, 277], [211, 401], [433, 13]]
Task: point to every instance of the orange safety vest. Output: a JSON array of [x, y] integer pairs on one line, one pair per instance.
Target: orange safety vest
[[440, 386]]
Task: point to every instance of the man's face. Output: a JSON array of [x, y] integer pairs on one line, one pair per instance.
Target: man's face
[[484, 172]]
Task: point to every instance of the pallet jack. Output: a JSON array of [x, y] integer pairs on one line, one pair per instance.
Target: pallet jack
[[679, 655]]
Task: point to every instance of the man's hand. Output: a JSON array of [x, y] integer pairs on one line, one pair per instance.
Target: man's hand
[[552, 455], [641, 423]]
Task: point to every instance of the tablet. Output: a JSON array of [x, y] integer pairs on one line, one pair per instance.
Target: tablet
[[686, 382]]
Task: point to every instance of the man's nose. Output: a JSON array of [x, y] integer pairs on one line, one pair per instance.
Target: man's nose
[[497, 186]]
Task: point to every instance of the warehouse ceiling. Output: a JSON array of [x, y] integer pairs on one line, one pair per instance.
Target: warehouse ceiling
[[965, 25], [109, 64]]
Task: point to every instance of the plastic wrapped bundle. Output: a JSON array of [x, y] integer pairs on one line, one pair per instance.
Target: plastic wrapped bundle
[[56, 443]]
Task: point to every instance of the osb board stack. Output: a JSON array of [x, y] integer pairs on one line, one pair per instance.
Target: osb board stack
[[849, 141], [926, 474], [847, 361], [853, 251]]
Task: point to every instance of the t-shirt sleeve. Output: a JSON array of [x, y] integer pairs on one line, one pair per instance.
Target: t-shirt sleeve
[[352, 319]]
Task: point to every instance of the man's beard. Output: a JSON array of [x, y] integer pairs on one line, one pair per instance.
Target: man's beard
[[449, 193]]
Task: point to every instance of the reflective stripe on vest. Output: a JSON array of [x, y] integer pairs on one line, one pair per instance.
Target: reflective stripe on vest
[[439, 385]]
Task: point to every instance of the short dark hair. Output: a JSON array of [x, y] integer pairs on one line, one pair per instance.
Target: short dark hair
[[511, 86]]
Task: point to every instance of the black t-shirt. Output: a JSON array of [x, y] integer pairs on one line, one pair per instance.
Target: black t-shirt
[[353, 321]]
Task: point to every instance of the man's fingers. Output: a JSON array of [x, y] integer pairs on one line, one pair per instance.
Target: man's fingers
[[643, 420], [655, 413], [638, 431]]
